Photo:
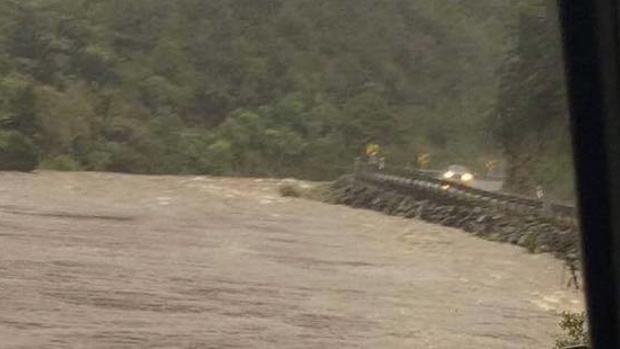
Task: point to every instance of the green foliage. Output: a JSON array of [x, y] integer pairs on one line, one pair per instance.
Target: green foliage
[[531, 123], [62, 117], [17, 109], [17, 152], [236, 87], [60, 163], [574, 330]]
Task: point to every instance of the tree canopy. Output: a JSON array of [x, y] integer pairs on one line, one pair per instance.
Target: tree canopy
[[531, 123], [262, 88]]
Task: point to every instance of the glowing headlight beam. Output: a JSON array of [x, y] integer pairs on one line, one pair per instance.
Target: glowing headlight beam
[[467, 177]]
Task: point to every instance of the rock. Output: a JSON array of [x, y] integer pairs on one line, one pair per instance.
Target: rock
[[513, 239], [542, 249], [509, 229], [462, 222], [523, 240], [403, 207], [290, 188], [392, 204], [411, 213], [376, 202], [420, 212], [529, 230], [472, 227], [449, 221], [494, 236]]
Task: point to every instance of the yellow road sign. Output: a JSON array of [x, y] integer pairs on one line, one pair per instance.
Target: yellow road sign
[[423, 160], [372, 149], [490, 164]]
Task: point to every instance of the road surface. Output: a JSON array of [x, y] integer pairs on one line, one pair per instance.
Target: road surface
[[487, 184], [90, 260]]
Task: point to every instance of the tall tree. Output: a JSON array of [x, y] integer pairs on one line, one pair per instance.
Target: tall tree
[[530, 123]]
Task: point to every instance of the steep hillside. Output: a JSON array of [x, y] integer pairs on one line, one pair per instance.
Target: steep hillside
[[243, 87]]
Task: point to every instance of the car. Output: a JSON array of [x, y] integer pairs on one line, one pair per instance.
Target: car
[[458, 173]]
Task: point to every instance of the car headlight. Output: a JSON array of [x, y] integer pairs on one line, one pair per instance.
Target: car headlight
[[448, 174], [467, 177]]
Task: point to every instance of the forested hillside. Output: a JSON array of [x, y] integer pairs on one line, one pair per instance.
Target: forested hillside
[[272, 87], [530, 123], [245, 87]]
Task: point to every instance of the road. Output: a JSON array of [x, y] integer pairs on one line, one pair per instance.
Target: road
[[91, 260], [487, 184], [479, 183]]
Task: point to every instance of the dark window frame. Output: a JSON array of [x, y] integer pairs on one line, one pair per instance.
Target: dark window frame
[[591, 46]]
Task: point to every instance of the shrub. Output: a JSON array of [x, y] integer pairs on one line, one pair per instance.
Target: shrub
[[575, 332], [17, 152], [318, 192], [97, 160], [290, 188], [60, 163], [116, 157]]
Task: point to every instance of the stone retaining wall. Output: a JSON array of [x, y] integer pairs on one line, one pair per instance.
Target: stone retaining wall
[[536, 233]]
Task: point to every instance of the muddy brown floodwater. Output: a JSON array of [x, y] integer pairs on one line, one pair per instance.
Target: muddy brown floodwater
[[91, 260]]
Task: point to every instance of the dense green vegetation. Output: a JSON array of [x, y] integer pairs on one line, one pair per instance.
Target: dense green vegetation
[[531, 123], [274, 87], [240, 87], [574, 330]]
